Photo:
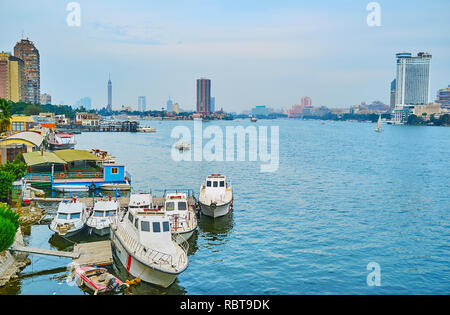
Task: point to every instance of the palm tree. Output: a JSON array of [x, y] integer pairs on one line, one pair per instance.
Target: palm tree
[[5, 115]]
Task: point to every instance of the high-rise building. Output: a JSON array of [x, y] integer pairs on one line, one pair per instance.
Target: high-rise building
[[213, 104], [84, 102], [46, 99], [413, 79], [142, 106], [109, 106], [12, 78], [443, 97], [393, 92], [204, 96], [306, 101], [27, 52], [176, 108], [169, 105]]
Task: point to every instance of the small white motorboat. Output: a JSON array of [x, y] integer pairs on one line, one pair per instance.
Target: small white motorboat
[[70, 218], [216, 196], [103, 214], [182, 146], [144, 245], [182, 216], [71, 188], [113, 187], [146, 129]]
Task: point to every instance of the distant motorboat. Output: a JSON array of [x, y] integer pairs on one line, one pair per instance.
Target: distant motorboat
[[182, 146], [146, 129], [253, 119], [113, 187], [61, 141]]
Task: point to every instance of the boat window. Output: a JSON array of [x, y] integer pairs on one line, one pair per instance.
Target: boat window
[[63, 216], [170, 206], [130, 217], [156, 227], [215, 184], [136, 224], [75, 216], [111, 213], [145, 226], [182, 205], [222, 183], [208, 184], [114, 170], [98, 213], [166, 226]]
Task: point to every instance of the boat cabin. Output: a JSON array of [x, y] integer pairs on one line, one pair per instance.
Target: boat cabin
[[69, 211], [215, 182], [140, 201], [176, 204], [104, 209]]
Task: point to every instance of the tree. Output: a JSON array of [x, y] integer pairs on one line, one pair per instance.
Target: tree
[[9, 223], [6, 180], [5, 115]]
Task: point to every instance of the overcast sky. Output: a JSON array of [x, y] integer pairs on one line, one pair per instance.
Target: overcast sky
[[256, 52]]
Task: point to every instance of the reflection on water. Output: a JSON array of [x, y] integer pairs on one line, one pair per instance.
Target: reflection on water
[[216, 231]]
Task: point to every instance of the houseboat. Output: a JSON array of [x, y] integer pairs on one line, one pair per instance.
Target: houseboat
[[216, 196], [61, 141], [143, 242], [72, 170]]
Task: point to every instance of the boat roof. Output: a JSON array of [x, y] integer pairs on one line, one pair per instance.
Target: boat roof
[[216, 176], [37, 158], [140, 199], [105, 205], [67, 206], [176, 196], [76, 155]]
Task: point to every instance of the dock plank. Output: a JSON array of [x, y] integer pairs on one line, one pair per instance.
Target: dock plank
[[94, 254], [47, 252]]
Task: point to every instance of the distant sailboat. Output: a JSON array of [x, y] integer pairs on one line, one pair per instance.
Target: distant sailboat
[[379, 129]]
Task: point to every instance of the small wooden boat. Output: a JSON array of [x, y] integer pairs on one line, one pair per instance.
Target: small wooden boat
[[99, 280]]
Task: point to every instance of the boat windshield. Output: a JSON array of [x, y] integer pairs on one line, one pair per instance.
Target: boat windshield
[[99, 213], [63, 216], [170, 206], [182, 205], [111, 213], [74, 216]]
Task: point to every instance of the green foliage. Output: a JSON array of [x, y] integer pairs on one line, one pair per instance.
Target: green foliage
[[32, 110], [5, 115], [415, 120], [9, 223], [17, 168], [6, 180]]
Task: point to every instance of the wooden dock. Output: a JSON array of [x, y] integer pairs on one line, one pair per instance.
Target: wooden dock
[[87, 254], [94, 254]]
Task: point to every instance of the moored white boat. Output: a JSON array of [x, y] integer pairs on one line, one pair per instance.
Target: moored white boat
[[104, 213], [182, 216], [70, 218], [146, 129], [216, 196], [113, 187], [143, 242], [71, 188], [180, 145]]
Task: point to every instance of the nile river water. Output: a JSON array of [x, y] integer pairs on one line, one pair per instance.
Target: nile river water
[[343, 197]]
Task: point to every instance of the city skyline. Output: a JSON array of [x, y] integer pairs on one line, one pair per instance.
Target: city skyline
[[256, 47]]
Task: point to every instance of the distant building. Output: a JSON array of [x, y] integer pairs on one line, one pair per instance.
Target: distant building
[[296, 111], [84, 102], [169, 105], [443, 97], [204, 96], [306, 101], [109, 106], [87, 119], [46, 99], [261, 110], [12, 78], [213, 104], [425, 111], [308, 111], [142, 104], [176, 108], [393, 93], [27, 52]]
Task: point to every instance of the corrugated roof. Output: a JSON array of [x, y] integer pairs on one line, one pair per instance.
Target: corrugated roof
[[35, 158], [29, 136], [76, 155]]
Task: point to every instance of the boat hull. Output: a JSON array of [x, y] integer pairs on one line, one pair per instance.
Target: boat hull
[[218, 211], [138, 269], [69, 233], [101, 232], [182, 237], [71, 188]]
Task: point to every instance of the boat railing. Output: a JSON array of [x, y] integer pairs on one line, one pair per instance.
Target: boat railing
[[79, 174], [151, 255], [38, 177]]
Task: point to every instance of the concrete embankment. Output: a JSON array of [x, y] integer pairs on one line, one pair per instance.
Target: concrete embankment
[[12, 263]]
